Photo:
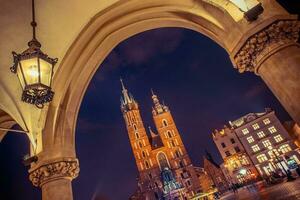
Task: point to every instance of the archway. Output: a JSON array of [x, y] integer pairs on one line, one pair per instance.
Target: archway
[[119, 22]]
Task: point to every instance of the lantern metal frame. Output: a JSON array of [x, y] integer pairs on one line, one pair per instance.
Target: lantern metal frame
[[36, 93]]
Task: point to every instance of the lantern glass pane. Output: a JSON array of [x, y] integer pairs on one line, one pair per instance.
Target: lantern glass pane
[[30, 70], [46, 72], [245, 5], [20, 76]]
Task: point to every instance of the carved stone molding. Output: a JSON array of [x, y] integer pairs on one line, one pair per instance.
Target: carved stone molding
[[68, 168], [274, 36]]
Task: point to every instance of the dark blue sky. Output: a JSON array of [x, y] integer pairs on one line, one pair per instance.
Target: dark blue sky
[[193, 76]]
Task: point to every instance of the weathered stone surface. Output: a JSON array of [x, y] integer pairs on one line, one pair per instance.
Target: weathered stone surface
[[65, 169], [262, 43]]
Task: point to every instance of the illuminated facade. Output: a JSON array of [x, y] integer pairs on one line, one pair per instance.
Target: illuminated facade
[[236, 161], [267, 142], [165, 169], [215, 173]]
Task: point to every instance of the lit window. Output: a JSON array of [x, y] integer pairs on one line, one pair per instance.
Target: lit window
[[267, 143], [255, 126], [261, 158], [266, 121], [165, 123], [261, 134], [285, 148], [245, 131], [255, 148], [278, 138], [250, 139], [272, 129]]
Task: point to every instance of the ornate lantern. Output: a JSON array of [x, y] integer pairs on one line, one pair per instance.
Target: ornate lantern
[[35, 71], [251, 8]]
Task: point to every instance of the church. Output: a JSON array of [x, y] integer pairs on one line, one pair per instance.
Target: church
[[164, 166]]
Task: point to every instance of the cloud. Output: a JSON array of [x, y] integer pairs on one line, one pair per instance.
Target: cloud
[[255, 91], [139, 49]]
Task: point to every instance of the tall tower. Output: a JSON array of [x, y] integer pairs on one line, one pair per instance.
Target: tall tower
[[149, 173], [179, 159]]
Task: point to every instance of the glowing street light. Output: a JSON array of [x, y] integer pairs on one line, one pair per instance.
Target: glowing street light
[[34, 70]]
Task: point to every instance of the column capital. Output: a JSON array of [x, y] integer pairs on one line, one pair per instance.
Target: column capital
[[66, 168], [267, 41]]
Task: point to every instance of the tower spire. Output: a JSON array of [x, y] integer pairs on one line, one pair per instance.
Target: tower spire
[[126, 97], [158, 107]]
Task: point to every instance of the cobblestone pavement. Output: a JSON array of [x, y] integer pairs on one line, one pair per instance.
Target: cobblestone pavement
[[283, 191]]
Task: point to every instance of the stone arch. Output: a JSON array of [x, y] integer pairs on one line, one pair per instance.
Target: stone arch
[[106, 30]]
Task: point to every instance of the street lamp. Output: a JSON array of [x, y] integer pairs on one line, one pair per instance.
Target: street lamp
[[34, 70], [251, 8]]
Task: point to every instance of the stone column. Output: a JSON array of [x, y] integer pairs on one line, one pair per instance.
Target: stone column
[[55, 177], [274, 54]]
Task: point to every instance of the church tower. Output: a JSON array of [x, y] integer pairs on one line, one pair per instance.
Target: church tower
[[177, 155], [149, 173], [165, 169], [136, 131]]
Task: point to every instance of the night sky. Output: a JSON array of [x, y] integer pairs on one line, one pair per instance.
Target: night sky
[[188, 71]]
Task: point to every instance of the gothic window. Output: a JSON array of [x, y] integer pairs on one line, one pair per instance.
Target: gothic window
[[144, 154], [177, 153], [165, 123], [162, 161], [137, 135], [147, 164], [181, 164], [134, 127], [173, 143], [150, 175], [140, 144], [223, 145], [169, 134], [232, 141]]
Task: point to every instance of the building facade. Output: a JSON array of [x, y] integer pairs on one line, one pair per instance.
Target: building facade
[[267, 142], [164, 166], [236, 161], [215, 173]]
